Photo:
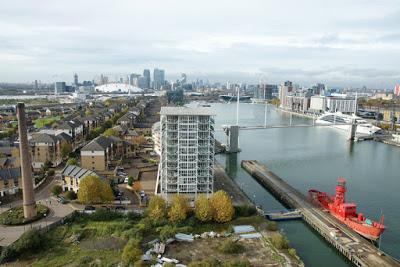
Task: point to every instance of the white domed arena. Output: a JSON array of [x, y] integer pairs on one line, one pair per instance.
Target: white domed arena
[[118, 88]]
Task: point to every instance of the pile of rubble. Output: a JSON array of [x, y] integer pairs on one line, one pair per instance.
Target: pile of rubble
[[243, 231]]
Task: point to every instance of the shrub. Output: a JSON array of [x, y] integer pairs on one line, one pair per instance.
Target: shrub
[[30, 242], [204, 263], [245, 211], [105, 215], [166, 232], [292, 252], [272, 226], [138, 263], [169, 264], [222, 207], [85, 260], [280, 241], [72, 161], [231, 247], [51, 173], [131, 253], [203, 209], [71, 195], [56, 190], [237, 263], [130, 180]]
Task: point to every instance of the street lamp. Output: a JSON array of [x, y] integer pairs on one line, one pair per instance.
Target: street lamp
[[45, 218]]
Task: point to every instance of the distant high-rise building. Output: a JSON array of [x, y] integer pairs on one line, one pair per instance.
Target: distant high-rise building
[[318, 89], [183, 78], [264, 91], [158, 79], [133, 79], [142, 82], [284, 90], [397, 90], [36, 85], [59, 87], [187, 151], [146, 74], [76, 79]]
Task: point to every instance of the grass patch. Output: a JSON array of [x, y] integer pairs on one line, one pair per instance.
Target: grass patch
[[41, 122], [15, 216]]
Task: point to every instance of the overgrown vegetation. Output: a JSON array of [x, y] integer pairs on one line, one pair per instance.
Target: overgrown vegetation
[[231, 247], [280, 241]]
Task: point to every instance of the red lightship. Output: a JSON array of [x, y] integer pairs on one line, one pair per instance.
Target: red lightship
[[347, 212]]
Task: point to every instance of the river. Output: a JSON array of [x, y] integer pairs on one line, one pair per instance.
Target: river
[[315, 158]]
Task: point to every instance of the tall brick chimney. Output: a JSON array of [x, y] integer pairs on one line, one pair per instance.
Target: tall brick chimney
[[28, 195]]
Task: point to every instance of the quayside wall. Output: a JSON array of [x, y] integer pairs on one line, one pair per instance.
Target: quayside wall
[[354, 247]]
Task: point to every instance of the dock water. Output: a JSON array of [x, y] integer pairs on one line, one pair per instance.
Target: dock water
[[354, 247]]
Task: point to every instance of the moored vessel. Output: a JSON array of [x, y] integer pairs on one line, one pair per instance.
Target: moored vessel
[[347, 212]]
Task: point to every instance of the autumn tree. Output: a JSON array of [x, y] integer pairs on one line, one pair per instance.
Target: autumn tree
[[94, 190], [131, 252], [66, 149], [179, 209], [157, 207], [137, 186], [203, 209], [222, 206]]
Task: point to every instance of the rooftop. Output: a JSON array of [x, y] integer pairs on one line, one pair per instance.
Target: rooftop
[[187, 111]]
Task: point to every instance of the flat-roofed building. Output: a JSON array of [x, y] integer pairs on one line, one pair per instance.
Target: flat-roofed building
[[187, 151]]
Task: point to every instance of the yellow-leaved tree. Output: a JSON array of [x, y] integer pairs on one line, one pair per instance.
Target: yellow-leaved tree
[[222, 206], [157, 207], [93, 190], [179, 209], [203, 209]]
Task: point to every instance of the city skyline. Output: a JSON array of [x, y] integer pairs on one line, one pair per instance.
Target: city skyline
[[338, 43]]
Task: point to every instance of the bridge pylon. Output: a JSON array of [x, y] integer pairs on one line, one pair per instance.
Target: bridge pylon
[[232, 138]]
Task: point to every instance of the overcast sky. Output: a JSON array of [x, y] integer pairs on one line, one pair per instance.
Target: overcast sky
[[340, 42]]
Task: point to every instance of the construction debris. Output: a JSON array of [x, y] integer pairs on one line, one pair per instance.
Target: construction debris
[[240, 229], [184, 237]]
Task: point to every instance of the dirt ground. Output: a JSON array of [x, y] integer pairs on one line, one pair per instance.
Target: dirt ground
[[256, 251]]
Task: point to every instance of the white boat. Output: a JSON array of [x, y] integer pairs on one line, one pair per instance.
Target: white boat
[[342, 121]]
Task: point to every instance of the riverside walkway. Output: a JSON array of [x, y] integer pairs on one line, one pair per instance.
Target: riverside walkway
[[354, 247]]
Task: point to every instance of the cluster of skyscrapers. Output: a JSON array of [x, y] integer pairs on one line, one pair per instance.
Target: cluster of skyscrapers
[[144, 81]]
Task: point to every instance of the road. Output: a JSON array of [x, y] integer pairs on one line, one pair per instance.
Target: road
[[9, 234]]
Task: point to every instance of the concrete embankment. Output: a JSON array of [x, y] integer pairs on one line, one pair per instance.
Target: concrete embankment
[[354, 247], [223, 182]]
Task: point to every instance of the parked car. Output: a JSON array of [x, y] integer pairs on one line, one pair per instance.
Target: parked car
[[122, 174], [126, 180], [120, 208], [61, 200], [90, 208]]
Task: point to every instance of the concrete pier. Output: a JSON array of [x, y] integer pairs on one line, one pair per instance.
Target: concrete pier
[[354, 247], [28, 194]]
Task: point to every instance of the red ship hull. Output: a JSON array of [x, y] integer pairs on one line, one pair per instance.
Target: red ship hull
[[346, 212]]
